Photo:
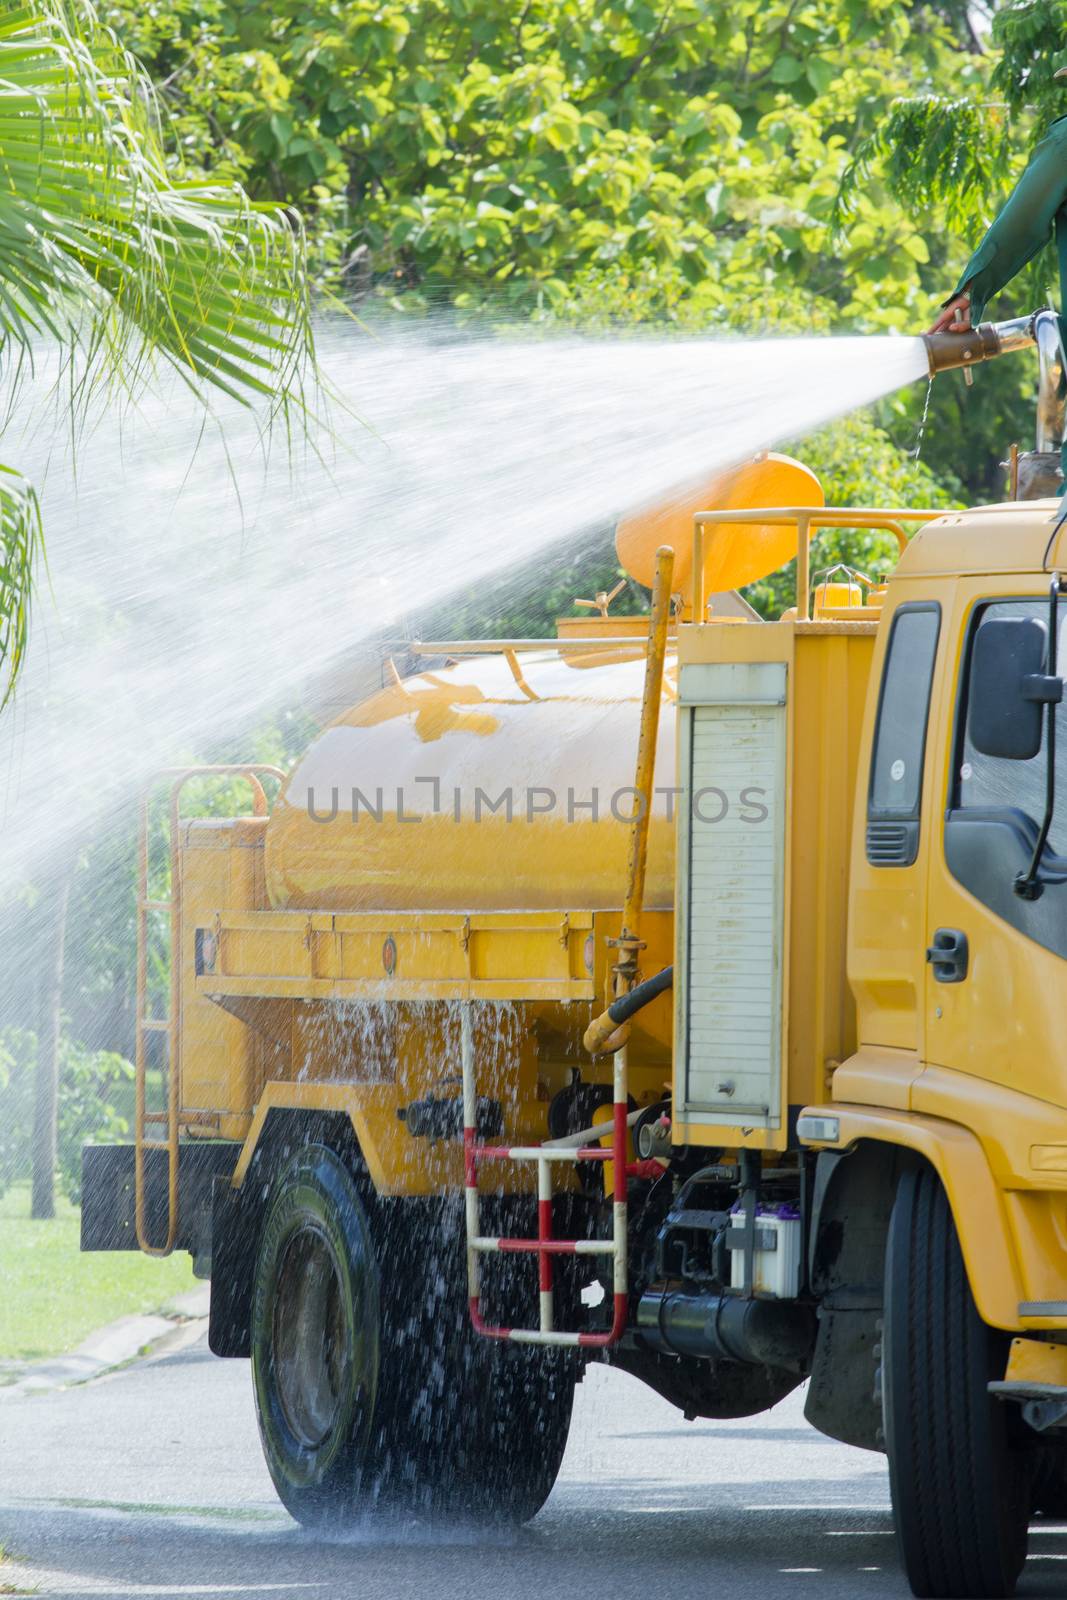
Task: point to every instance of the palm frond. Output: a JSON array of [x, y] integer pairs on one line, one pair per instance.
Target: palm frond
[[105, 250], [20, 542], [99, 243]]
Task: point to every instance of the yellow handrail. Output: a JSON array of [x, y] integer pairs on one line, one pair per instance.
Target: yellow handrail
[[808, 520], [171, 1024]]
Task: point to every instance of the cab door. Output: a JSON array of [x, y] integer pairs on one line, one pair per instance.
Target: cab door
[[996, 958], [887, 913]]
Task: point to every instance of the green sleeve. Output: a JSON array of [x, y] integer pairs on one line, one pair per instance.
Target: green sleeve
[[1023, 226]]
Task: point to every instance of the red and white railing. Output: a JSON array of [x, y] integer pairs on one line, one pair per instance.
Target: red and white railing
[[545, 1246]]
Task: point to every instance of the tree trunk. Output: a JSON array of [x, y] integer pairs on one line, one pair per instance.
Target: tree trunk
[[49, 1029]]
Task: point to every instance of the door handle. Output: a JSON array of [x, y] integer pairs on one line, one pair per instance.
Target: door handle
[[948, 955]]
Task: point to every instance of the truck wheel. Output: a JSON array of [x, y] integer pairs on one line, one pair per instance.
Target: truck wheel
[[465, 1426], [315, 1332], [1049, 1495], [960, 1481], [372, 1389]]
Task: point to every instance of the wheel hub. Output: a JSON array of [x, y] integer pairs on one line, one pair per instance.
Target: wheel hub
[[312, 1337]]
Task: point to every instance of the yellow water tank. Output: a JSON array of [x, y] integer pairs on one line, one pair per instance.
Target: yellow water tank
[[499, 784], [465, 790]]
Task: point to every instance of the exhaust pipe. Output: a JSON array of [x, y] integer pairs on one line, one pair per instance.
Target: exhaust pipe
[[944, 351]]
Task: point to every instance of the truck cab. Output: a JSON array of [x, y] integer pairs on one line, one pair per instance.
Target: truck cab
[[957, 1091]]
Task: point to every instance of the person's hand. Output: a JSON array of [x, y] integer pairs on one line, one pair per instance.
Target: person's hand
[[956, 317]]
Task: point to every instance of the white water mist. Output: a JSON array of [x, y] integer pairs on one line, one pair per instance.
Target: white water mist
[[190, 587]]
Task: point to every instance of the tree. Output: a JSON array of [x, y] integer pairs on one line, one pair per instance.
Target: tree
[[49, 1042], [956, 154], [604, 163], [480, 152], [114, 255]]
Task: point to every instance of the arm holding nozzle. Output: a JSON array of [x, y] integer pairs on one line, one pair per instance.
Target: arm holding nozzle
[[1018, 233]]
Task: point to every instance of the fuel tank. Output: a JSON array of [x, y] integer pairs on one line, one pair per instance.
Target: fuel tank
[[479, 788]]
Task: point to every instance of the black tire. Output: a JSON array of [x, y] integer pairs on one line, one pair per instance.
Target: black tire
[[315, 1330], [959, 1476], [469, 1426], [1048, 1497], [389, 1401]]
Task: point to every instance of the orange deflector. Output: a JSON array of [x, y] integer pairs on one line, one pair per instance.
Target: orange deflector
[[734, 554]]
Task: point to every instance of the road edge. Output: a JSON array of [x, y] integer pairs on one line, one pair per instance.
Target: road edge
[[176, 1325]]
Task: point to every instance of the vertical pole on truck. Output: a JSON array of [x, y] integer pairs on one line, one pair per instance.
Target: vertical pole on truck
[[700, 598], [803, 566], [629, 942]]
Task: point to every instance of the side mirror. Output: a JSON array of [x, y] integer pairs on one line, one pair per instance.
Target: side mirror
[[1009, 689]]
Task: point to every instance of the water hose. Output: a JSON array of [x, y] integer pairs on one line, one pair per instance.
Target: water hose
[[626, 1006]]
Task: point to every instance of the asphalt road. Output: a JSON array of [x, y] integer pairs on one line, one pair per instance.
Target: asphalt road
[[150, 1482]]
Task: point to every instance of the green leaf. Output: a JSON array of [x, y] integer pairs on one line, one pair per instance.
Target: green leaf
[[20, 543], [282, 128], [787, 69]]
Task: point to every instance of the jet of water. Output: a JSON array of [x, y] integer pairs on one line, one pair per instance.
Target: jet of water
[[190, 586]]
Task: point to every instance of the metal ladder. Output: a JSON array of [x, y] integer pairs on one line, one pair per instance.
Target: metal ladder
[[544, 1246], [170, 1119]]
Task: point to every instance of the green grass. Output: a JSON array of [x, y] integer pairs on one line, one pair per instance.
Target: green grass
[[8, 1583], [52, 1297]]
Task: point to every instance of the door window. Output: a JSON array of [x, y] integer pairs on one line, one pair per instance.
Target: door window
[[991, 783], [895, 799], [997, 806]]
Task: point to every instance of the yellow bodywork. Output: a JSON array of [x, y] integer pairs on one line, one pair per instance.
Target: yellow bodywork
[[972, 1076], [313, 1000], [827, 667], [349, 1009], [341, 933], [1037, 1361]]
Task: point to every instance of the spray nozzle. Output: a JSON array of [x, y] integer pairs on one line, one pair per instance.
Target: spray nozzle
[[947, 350]]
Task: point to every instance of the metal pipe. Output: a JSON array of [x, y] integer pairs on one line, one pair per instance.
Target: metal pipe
[[516, 672], [574, 1141], [1050, 386], [573, 644], [603, 1028], [700, 598], [945, 351], [622, 1009], [646, 743], [803, 583]]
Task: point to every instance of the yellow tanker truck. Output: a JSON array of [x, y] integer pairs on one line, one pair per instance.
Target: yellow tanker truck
[[677, 994]]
